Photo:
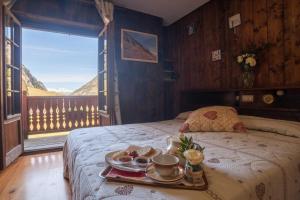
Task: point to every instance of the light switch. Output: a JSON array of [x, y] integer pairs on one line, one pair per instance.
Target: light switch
[[216, 55]]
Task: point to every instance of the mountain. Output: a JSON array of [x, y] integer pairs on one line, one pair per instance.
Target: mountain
[[33, 86], [90, 88], [133, 49], [30, 81]]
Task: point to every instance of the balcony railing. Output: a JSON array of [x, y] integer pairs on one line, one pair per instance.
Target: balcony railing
[[59, 113]]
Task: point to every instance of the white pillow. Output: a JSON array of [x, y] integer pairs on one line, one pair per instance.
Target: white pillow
[[282, 127]]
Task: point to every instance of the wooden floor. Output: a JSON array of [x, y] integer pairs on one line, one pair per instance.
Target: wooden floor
[[35, 177]]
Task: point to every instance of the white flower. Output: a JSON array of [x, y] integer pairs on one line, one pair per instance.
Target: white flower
[[194, 157], [240, 59]]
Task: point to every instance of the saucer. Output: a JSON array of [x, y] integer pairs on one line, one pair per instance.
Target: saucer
[[130, 167], [153, 174]]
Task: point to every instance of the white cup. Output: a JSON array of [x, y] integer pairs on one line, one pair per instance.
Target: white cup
[[165, 164]]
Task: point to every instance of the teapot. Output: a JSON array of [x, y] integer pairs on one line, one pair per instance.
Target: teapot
[[173, 148], [173, 145]]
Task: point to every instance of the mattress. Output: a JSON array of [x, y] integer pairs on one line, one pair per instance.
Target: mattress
[[252, 165]]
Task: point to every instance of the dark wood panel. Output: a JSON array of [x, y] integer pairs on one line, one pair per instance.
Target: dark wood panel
[[276, 41], [286, 106], [11, 134], [260, 37], [140, 83], [292, 41], [273, 22]]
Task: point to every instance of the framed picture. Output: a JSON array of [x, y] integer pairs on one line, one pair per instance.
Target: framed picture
[[139, 46]]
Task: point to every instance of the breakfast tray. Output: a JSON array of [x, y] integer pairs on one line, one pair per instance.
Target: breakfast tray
[[114, 175]]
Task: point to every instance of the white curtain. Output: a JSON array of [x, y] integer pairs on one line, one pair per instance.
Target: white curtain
[[106, 11], [9, 3]]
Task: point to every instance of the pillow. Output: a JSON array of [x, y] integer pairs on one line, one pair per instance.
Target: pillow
[[283, 127], [213, 118], [183, 115]]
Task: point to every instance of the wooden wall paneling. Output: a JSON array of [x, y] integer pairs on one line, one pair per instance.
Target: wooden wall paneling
[[140, 83], [247, 33], [233, 45], [276, 22], [284, 107], [222, 25], [210, 70], [198, 71], [260, 37], [292, 42], [11, 131], [275, 40], [226, 79]]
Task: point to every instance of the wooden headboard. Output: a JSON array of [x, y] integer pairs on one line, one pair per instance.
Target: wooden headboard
[[256, 102]]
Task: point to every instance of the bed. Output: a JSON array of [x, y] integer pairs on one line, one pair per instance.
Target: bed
[[253, 165], [263, 163]]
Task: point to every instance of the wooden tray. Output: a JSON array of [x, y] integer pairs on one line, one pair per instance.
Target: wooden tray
[[141, 178]]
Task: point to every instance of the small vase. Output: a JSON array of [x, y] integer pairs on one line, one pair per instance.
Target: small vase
[[193, 173], [248, 79]]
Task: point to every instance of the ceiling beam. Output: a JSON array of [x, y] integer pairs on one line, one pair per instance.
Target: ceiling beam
[[46, 19], [67, 16]]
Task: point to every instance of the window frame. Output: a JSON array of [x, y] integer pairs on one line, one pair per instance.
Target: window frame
[[13, 39], [103, 73]]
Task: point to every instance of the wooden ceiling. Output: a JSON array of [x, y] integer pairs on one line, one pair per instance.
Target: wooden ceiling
[[79, 17]]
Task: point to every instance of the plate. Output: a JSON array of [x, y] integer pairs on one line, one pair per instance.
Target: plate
[[151, 173], [130, 167]]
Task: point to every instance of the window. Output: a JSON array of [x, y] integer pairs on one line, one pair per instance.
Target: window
[[12, 62], [103, 70]]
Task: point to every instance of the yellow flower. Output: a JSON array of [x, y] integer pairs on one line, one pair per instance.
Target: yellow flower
[[194, 157], [251, 61], [240, 59]]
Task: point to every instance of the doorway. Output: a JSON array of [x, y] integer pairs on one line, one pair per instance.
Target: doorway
[[59, 87]]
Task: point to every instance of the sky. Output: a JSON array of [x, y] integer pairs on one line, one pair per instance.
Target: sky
[[62, 62]]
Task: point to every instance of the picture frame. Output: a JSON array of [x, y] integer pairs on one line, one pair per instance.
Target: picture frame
[[139, 46]]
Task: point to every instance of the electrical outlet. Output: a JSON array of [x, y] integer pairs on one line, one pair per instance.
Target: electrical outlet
[[216, 55]]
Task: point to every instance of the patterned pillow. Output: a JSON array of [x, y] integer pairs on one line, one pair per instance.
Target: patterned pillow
[[183, 115], [215, 119]]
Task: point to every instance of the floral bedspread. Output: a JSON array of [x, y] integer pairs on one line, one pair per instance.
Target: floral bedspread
[[238, 166]]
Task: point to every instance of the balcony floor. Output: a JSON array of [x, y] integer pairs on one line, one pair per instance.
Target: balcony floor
[[45, 141]]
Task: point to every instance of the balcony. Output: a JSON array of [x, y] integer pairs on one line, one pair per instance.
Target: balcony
[[48, 119]]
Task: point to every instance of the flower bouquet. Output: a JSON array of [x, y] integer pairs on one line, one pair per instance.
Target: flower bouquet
[[247, 62], [193, 154]]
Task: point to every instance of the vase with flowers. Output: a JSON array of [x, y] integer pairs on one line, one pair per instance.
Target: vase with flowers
[[247, 62], [193, 155]]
